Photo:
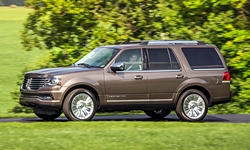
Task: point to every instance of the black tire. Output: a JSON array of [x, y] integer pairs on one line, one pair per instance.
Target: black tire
[[158, 114], [68, 102], [48, 117], [180, 110]]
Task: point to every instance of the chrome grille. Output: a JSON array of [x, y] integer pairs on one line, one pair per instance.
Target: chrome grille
[[34, 83]]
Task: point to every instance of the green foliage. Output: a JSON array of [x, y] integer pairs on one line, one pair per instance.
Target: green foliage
[[69, 29]]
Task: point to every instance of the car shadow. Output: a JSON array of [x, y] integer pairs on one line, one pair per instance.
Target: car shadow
[[169, 118]]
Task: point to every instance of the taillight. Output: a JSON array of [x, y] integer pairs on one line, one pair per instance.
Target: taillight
[[226, 76]]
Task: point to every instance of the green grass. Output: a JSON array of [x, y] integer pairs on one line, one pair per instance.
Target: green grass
[[124, 135], [13, 59]]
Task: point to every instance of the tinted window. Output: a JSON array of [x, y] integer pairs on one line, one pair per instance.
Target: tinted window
[[174, 62], [132, 59], [162, 59], [202, 58]]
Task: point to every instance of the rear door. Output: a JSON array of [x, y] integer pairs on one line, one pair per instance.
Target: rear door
[[164, 75]]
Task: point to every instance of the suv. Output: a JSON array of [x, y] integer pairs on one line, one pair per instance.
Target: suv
[[153, 76]]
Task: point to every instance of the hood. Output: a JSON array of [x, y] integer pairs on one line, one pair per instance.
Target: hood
[[59, 71]]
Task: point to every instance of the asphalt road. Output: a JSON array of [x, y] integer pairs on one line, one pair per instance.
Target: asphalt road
[[229, 118]]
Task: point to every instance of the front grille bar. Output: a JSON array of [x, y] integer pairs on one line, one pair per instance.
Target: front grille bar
[[34, 83]]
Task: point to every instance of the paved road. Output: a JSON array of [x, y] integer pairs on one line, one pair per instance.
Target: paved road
[[238, 118]]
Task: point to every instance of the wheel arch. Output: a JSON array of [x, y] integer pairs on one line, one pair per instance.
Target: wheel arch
[[84, 86], [197, 87]]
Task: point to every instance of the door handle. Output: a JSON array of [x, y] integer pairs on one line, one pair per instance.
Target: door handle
[[179, 76], [138, 77]]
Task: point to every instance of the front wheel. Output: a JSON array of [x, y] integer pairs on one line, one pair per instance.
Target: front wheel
[[158, 114], [80, 104], [192, 105]]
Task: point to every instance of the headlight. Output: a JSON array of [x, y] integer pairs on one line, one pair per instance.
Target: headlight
[[55, 81]]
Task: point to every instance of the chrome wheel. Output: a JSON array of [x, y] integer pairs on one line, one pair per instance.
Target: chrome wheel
[[82, 106], [194, 106]]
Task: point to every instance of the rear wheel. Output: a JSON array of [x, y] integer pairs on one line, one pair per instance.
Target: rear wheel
[[80, 104], [192, 105], [158, 114]]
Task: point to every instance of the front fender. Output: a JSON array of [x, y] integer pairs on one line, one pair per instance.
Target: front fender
[[97, 86]]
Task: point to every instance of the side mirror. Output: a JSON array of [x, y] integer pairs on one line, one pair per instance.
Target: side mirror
[[117, 67]]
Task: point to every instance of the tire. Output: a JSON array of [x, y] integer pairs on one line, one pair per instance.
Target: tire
[[48, 117], [195, 104], [158, 114], [80, 105]]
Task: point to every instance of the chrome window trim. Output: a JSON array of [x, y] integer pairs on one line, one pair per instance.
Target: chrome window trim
[[207, 69], [177, 70], [139, 100]]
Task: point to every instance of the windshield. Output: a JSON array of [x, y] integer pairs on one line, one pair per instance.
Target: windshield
[[99, 57]]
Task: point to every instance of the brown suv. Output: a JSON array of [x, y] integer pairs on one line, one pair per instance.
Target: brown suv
[[153, 76]]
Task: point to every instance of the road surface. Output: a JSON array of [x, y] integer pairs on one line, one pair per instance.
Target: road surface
[[227, 118]]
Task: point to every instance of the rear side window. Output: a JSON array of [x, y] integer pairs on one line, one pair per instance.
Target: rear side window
[[173, 60], [162, 59], [202, 58]]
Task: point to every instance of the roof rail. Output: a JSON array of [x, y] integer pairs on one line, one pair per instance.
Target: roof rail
[[165, 42], [135, 42]]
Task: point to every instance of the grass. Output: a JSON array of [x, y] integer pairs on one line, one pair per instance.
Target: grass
[[124, 135], [13, 59]]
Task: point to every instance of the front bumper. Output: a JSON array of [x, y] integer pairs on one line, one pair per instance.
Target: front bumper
[[41, 98], [38, 102]]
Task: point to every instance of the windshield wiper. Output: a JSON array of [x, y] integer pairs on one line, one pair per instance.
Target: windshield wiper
[[87, 65], [84, 64]]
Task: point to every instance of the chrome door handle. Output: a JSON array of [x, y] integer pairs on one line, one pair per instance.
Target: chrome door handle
[[179, 76], [138, 77]]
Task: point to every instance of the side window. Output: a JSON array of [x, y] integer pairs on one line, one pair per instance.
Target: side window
[[162, 59], [174, 62], [131, 58], [202, 58]]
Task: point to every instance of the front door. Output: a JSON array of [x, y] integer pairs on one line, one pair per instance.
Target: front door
[[128, 86]]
